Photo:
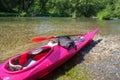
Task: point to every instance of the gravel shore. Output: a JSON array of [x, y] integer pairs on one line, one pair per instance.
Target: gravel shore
[[103, 59]]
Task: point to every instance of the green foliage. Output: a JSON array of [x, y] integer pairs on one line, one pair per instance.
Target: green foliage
[[22, 14], [103, 9], [104, 15], [117, 9], [58, 7], [111, 10], [35, 9], [4, 14]]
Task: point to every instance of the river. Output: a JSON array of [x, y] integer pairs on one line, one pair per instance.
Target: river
[[16, 32]]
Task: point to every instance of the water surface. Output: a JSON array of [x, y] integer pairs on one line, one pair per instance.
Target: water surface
[[16, 32]]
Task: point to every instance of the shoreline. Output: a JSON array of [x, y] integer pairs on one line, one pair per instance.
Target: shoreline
[[103, 61]]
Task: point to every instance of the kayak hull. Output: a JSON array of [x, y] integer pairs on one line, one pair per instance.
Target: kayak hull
[[55, 57]]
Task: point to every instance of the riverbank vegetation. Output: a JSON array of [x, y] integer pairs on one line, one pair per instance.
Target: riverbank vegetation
[[102, 9]]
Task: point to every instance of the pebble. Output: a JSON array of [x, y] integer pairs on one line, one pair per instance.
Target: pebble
[[103, 58]]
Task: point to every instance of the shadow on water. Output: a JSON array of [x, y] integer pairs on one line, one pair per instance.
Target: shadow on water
[[77, 59]]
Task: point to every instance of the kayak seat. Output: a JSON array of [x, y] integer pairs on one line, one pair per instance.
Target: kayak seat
[[27, 59], [29, 62]]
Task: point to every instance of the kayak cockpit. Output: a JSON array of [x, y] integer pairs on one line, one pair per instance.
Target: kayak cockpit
[[25, 60]]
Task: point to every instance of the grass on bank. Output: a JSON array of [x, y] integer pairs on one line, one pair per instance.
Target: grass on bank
[[4, 14]]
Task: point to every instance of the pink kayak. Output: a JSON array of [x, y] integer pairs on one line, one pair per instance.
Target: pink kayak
[[40, 61]]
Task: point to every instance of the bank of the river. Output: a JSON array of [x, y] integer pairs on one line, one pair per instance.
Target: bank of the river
[[103, 61]]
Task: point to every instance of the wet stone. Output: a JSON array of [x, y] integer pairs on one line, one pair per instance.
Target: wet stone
[[104, 59]]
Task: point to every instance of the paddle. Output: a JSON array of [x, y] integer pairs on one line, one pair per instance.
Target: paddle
[[39, 39]]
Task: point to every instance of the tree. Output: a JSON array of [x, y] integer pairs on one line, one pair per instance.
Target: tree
[[117, 9], [104, 9], [7, 5]]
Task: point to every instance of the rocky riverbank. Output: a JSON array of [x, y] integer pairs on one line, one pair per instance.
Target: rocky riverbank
[[103, 60]]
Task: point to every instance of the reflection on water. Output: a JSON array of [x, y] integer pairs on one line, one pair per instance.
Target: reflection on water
[[15, 33]]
